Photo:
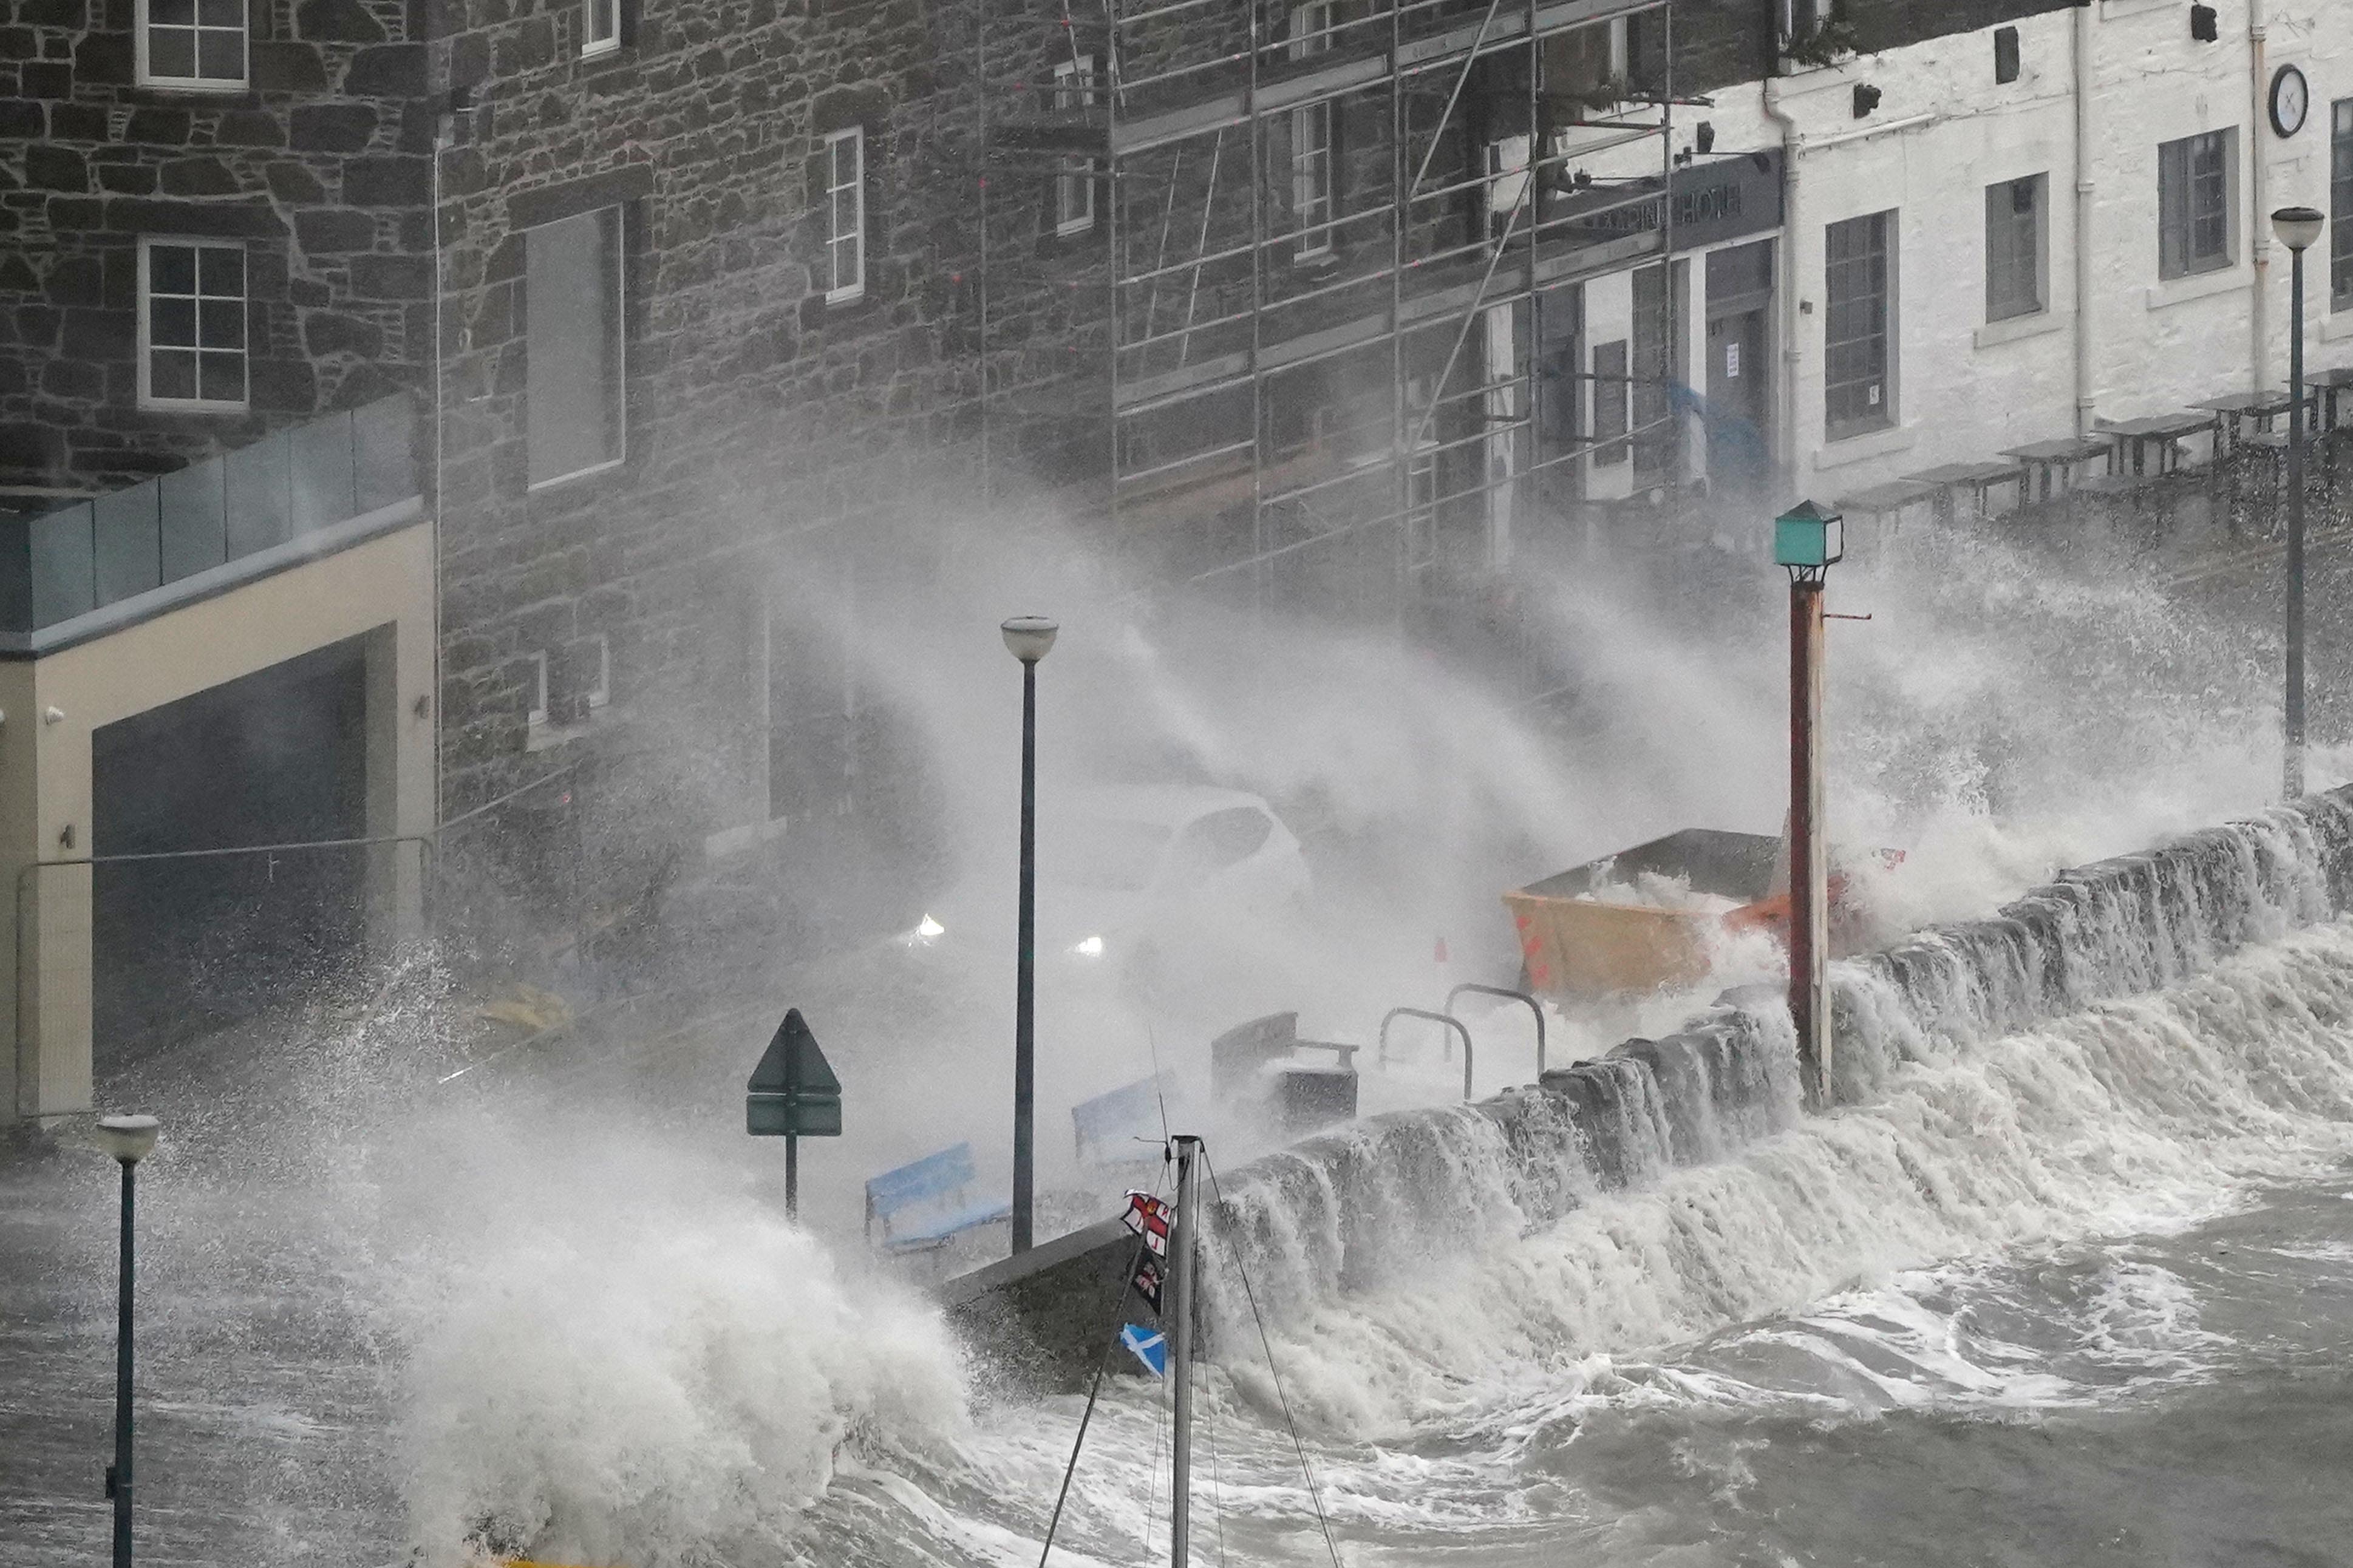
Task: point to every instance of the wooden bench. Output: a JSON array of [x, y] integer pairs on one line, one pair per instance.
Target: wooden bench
[[936, 1187]]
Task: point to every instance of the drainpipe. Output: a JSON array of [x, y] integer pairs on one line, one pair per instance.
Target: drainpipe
[[2087, 398], [1785, 420], [2259, 188]]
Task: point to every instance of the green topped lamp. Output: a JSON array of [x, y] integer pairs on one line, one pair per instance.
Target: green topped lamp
[[1808, 540]]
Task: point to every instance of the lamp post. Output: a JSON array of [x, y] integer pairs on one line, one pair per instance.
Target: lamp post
[[128, 1140], [2297, 228], [1028, 637], [1808, 541]]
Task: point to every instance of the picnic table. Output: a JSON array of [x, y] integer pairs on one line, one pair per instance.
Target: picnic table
[[2327, 388], [1889, 500], [2236, 410], [2051, 465], [2165, 433], [1980, 478]]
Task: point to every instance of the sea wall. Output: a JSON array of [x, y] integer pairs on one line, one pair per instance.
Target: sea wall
[[1357, 1204]]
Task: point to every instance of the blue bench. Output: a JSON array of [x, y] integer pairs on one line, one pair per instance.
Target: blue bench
[[935, 1187], [1119, 1126]]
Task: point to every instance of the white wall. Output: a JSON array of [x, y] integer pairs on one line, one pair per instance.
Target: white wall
[[1943, 130]]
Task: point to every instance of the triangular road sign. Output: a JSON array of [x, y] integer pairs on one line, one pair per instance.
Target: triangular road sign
[[794, 1089]]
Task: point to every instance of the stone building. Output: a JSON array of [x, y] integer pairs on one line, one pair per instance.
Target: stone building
[[700, 307]]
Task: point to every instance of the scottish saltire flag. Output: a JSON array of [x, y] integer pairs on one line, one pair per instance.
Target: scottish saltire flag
[[1151, 1348]]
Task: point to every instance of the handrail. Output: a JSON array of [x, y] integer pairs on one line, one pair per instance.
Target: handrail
[[1394, 1013], [1505, 992]]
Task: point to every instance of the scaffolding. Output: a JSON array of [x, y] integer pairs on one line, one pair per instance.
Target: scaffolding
[[1307, 268]]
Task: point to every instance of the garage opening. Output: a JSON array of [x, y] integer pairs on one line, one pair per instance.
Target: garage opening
[[184, 947]]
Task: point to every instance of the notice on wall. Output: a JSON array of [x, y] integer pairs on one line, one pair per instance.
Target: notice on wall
[[1732, 362]]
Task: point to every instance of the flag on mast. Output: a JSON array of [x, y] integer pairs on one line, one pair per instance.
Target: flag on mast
[[1148, 1218], [1150, 1348]]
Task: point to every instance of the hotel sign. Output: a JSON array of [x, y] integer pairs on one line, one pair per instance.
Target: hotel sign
[[1722, 198]]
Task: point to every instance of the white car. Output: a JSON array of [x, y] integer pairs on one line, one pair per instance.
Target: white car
[[1129, 876]]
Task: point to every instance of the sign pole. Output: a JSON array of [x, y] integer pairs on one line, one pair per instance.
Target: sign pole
[[792, 1175], [793, 1094]]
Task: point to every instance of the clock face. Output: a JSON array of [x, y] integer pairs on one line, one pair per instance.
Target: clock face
[[2291, 101]]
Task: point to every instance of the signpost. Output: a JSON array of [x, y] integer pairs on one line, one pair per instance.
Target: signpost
[[793, 1095]]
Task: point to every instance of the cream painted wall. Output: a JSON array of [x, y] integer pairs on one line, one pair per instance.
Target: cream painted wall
[[383, 586]]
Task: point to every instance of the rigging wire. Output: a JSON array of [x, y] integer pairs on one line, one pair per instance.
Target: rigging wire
[[1315, 1493], [1216, 1488], [1094, 1391]]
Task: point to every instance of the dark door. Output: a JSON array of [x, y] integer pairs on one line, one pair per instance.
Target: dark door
[[1739, 407]]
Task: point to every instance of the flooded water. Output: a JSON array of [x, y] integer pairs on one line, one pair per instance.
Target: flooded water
[[2070, 1282]]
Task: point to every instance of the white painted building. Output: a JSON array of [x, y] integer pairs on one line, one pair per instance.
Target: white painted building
[[1951, 181]]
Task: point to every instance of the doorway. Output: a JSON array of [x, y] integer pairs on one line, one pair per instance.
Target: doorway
[[1740, 366]]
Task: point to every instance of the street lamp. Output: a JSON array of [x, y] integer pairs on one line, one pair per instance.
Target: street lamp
[[2298, 229], [1027, 638], [1808, 541], [129, 1139]]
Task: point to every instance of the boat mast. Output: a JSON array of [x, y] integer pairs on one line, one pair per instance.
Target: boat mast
[[1180, 1349]]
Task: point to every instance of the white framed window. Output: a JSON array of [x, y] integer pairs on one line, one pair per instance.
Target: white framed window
[[573, 368], [600, 28], [845, 203], [2196, 184], [537, 715], [1421, 508], [2015, 247], [196, 44], [1075, 187], [600, 695], [192, 339], [1311, 141]]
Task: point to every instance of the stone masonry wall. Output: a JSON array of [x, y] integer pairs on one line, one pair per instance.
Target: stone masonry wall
[[320, 167]]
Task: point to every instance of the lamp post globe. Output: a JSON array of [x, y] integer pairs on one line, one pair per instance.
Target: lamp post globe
[[129, 1139], [2299, 228], [1028, 638]]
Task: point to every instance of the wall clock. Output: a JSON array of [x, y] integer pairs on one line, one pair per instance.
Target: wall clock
[[2291, 101]]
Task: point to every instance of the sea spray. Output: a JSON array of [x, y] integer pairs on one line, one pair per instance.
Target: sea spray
[[2007, 1077], [651, 1385]]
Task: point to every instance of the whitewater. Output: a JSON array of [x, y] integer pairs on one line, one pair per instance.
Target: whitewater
[[2067, 1278]]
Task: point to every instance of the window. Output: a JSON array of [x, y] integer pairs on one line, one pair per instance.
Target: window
[[600, 694], [1421, 508], [1611, 368], [537, 715], [572, 305], [2014, 249], [191, 347], [845, 200], [1585, 68], [1075, 187], [1223, 839], [600, 30], [1859, 281], [1311, 141], [2005, 54], [192, 43], [2340, 205], [2194, 177]]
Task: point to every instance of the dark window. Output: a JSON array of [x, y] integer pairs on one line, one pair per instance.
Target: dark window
[[192, 43], [2005, 54], [1609, 370], [1223, 839], [1860, 283], [2014, 248], [572, 301], [192, 315], [2340, 205], [2193, 203]]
